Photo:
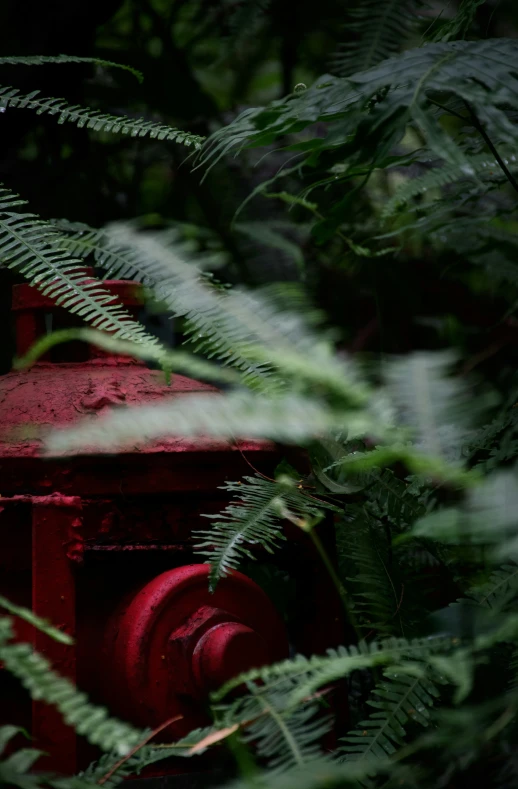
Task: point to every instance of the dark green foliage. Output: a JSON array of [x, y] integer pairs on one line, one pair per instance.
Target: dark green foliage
[[399, 700], [381, 28], [255, 520], [460, 24], [44, 60], [83, 117], [32, 247], [90, 721], [14, 769], [397, 211]]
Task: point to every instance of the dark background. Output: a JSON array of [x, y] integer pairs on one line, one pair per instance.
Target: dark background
[[203, 63]]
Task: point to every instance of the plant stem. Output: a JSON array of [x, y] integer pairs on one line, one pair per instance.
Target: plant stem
[[336, 581], [134, 750], [478, 126]]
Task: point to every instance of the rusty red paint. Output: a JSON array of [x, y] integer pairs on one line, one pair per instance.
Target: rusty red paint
[[52, 500], [224, 651], [53, 597], [143, 546]]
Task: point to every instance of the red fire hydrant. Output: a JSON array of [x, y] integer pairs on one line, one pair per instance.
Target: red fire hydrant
[[101, 545]]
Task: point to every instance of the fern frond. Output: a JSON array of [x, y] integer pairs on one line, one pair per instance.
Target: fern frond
[[243, 329], [143, 757], [83, 241], [439, 177], [289, 419], [84, 117], [437, 408], [394, 499], [255, 520], [363, 557], [484, 605], [99, 769], [43, 60], [488, 517], [461, 22], [160, 263], [283, 735], [31, 246], [380, 102], [36, 621], [44, 684], [381, 27], [403, 699], [326, 462], [14, 769], [499, 591], [318, 671], [169, 360]]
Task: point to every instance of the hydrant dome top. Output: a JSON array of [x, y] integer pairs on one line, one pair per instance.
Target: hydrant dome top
[[59, 394], [47, 396]]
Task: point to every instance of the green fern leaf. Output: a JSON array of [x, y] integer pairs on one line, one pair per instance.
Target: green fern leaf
[[381, 27], [436, 408], [403, 699], [489, 517], [84, 242], [108, 761], [36, 621], [394, 499], [500, 590], [177, 361], [284, 738], [246, 330], [43, 60], [43, 684], [283, 735], [378, 104], [159, 262], [255, 520], [31, 246], [461, 22], [289, 419], [84, 117], [321, 670], [364, 561], [439, 177], [143, 757], [14, 769]]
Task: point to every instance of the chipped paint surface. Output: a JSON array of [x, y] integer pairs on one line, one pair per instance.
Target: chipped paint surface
[[47, 396]]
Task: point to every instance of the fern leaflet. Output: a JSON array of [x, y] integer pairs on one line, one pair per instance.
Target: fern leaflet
[[43, 684], [31, 246], [403, 699], [439, 177], [381, 27], [255, 520], [461, 22], [84, 117], [43, 60]]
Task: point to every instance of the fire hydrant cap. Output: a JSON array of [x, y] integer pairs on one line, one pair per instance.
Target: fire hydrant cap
[[226, 650]]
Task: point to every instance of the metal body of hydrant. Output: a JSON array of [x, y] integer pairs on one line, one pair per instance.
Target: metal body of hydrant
[[101, 545]]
